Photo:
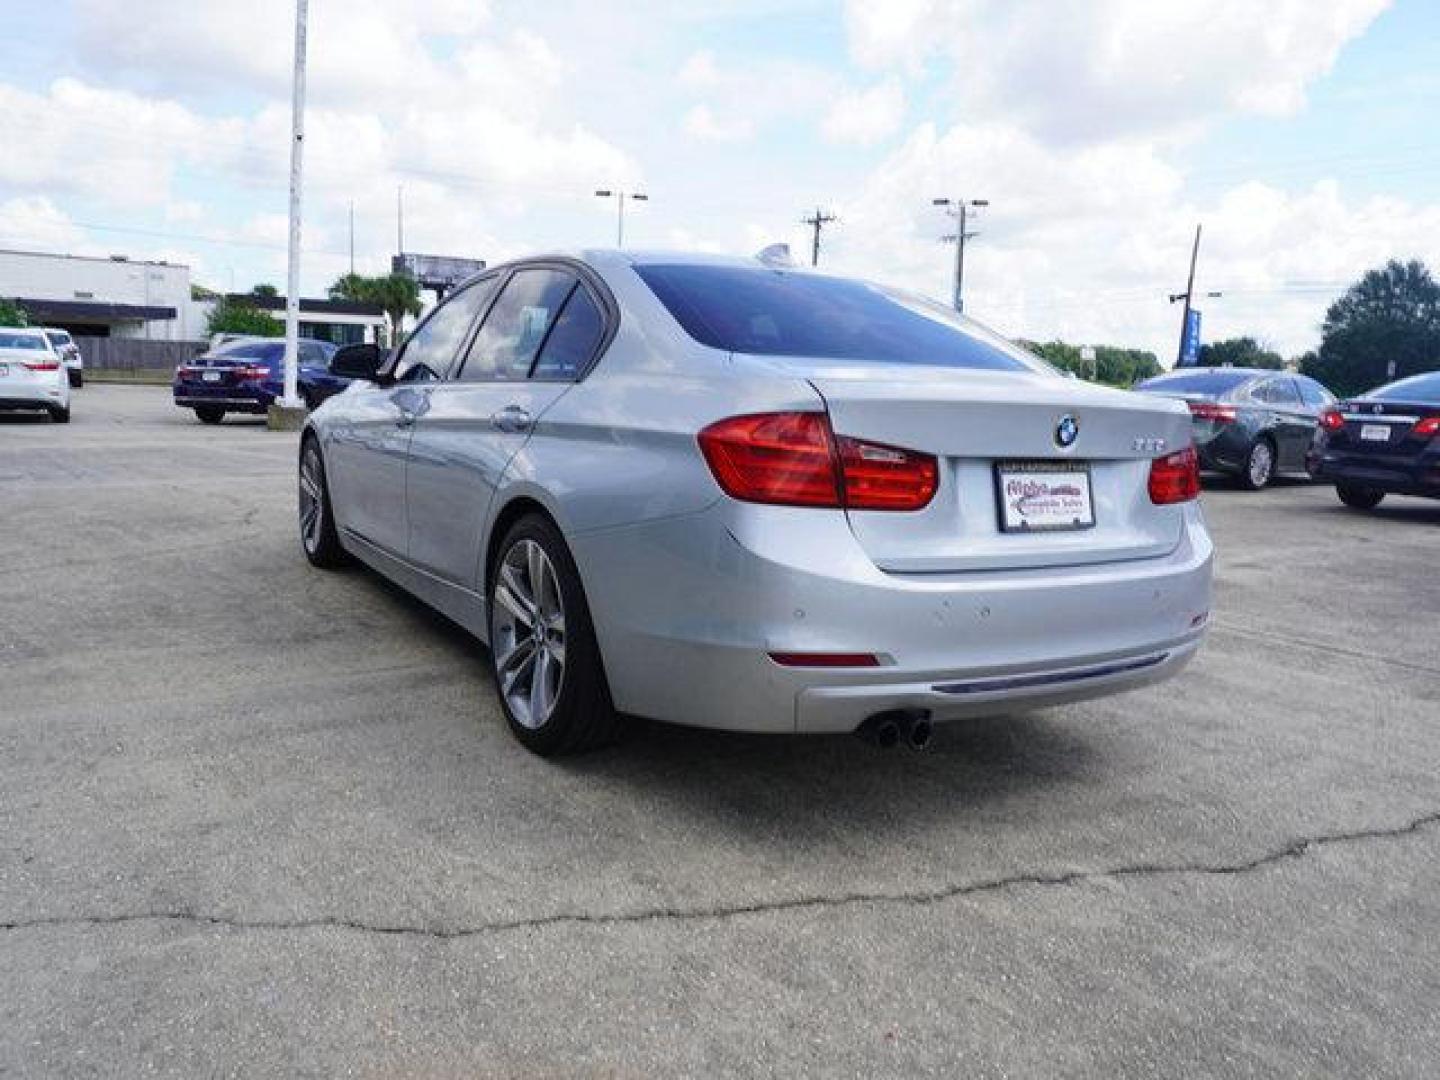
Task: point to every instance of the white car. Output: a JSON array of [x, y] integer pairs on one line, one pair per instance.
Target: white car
[[64, 344], [32, 374]]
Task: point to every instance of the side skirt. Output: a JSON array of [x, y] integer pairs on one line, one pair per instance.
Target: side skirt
[[454, 602]]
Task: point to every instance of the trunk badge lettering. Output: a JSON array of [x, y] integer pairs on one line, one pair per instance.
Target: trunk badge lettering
[[1067, 431]]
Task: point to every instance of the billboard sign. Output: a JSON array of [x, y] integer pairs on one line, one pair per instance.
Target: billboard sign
[[438, 272]]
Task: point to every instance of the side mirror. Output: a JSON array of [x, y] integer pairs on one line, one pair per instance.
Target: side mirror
[[358, 362]]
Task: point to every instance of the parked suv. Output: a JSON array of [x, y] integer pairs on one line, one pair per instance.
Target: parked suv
[[1251, 423], [245, 375]]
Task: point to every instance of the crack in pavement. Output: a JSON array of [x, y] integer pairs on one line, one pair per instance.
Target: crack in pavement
[[1293, 850], [1319, 646]]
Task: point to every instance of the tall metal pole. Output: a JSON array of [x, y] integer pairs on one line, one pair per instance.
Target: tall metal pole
[[291, 399], [620, 223], [1189, 291], [399, 219], [960, 261], [352, 236]]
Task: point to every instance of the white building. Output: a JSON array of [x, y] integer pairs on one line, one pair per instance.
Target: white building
[[135, 298]]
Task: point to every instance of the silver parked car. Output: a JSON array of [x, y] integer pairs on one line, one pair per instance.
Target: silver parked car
[[736, 495]]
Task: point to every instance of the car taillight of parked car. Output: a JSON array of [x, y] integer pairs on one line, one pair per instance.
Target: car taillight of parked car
[[794, 459], [1209, 410], [1331, 420], [43, 365], [246, 372], [1175, 478], [1427, 428]]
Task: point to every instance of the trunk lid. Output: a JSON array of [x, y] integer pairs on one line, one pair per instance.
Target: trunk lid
[[1366, 421], [977, 421]]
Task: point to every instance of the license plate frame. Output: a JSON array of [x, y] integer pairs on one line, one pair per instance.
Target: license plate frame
[[210, 376], [1023, 488], [1374, 432]]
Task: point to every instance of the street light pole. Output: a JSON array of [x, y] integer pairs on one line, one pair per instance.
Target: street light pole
[[959, 209], [291, 397], [621, 196]]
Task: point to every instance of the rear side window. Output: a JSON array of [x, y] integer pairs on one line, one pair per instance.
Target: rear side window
[[1196, 382], [785, 313], [1276, 392], [1313, 394], [515, 329], [572, 343], [1424, 388]]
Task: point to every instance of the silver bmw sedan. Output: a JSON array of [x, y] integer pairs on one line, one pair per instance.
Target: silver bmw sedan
[[740, 495]]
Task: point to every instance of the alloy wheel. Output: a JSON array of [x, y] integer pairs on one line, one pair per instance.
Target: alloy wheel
[[528, 633], [312, 499], [1262, 463]]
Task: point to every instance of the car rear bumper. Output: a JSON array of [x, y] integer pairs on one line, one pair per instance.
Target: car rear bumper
[[1411, 475], [229, 398], [17, 395], [688, 611]]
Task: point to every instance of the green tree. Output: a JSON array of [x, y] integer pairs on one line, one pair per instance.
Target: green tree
[[1386, 326], [12, 314], [398, 295], [1113, 365], [1240, 352], [233, 315], [267, 291]]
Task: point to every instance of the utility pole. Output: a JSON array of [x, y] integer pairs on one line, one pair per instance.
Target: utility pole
[[1186, 296], [960, 210], [399, 219], [634, 196], [816, 223], [291, 398], [352, 237]]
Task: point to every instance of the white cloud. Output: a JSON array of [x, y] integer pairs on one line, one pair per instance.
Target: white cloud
[[35, 223], [866, 117], [1110, 67], [702, 123]]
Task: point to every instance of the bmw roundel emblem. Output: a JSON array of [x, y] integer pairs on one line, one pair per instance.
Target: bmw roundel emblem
[[1067, 431]]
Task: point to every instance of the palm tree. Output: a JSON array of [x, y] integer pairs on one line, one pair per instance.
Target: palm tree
[[397, 295]]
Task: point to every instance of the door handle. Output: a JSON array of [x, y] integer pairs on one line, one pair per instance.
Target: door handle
[[512, 418]]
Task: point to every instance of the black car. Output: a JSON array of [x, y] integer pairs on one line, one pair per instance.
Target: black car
[[1387, 441], [245, 375], [1248, 422]]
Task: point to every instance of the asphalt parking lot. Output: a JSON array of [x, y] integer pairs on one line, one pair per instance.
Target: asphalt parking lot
[[261, 820]]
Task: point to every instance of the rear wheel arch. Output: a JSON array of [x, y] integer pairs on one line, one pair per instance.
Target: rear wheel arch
[[509, 514]]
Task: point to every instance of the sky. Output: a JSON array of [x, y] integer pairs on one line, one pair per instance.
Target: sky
[[1301, 133]]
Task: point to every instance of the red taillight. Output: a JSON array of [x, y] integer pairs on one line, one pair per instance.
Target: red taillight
[[1331, 420], [251, 371], [43, 365], [1208, 410], [793, 459], [1427, 428], [823, 659], [1175, 478]]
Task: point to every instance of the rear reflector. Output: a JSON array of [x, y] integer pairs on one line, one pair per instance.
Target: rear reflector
[[1331, 420], [1427, 428], [825, 659], [1208, 410], [794, 459], [1175, 478]]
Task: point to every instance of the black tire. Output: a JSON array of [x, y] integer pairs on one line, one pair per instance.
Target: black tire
[[582, 716], [1358, 496], [308, 397], [59, 415], [209, 414], [318, 537], [77, 378], [1259, 467]]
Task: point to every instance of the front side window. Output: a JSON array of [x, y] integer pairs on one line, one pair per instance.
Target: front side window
[[507, 344], [431, 350], [772, 312]]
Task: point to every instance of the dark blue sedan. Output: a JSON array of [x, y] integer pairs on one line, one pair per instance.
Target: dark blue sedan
[[246, 375], [1386, 442]]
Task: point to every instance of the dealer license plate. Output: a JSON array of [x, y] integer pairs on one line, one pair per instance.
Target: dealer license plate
[[1043, 496], [1375, 432]]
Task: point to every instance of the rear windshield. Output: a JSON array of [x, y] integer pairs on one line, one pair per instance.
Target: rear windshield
[[1424, 388], [1196, 382], [269, 351], [782, 313], [22, 341]]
